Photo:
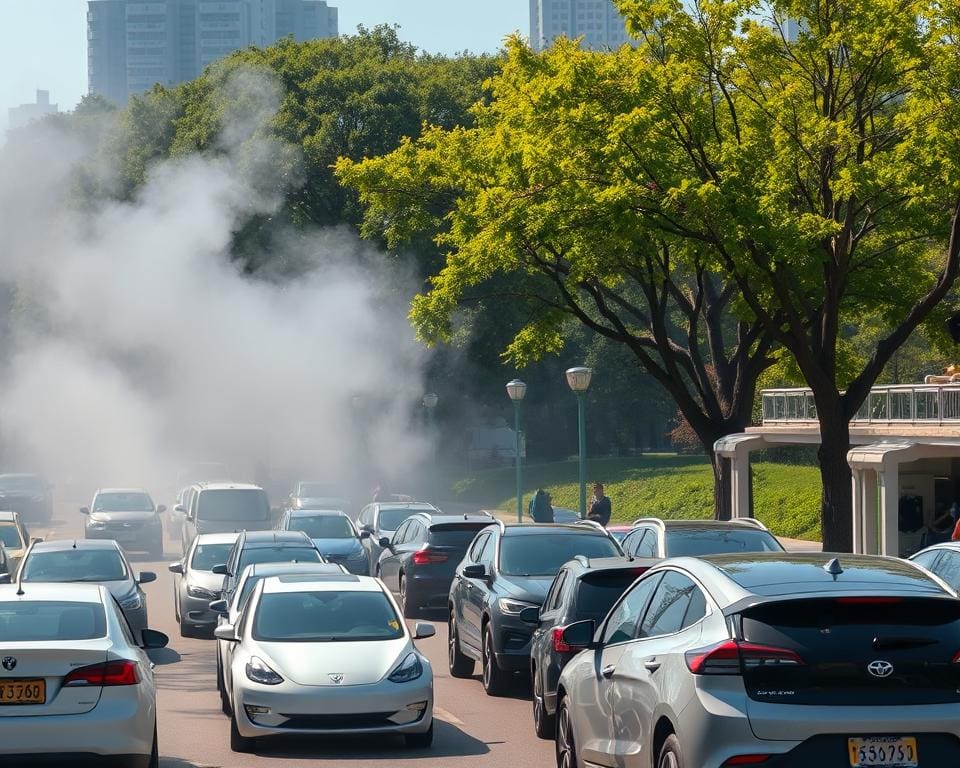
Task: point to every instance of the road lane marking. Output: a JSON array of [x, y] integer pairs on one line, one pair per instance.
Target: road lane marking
[[447, 717]]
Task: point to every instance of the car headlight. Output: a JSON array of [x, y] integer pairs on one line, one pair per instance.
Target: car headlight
[[203, 594], [259, 671], [408, 669], [513, 607], [132, 603], [96, 525]]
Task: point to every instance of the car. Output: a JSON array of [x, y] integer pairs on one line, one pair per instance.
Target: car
[[777, 659], [942, 559], [128, 516], [565, 516], [326, 656], [584, 589], [14, 537], [381, 520], [333, 533], [229, 612], [93, 562], [6, 567], [619, 532], [224, 508], [653, 537], [309, 494], [75, 686], [265, 547], [509, 568], [29, 494], [195, 585], [419, 562]]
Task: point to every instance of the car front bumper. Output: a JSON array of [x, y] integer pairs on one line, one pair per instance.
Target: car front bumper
[[196, 610], [512, 641], [141, 538]]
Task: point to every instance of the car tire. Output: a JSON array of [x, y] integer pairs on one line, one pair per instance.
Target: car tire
[[544, 724], [225, 705], [459, 664], [670, 754], [407, 613], [240, 743], [154, 760], [566, 749], [420, 740], [495, 680]]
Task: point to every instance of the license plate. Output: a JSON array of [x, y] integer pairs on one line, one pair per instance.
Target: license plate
[[883, 752], [23, 691]]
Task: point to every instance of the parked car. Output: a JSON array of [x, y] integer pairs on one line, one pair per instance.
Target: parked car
[[265, 547], [776, 658], [128, 516], [333, 533], [326, 657], [509, 568], [584, 589], [14, 538], [309, 494], [224, 508], [195, 584], [74, 684], [91, 562], [418, 564], [381, 520], [943, 560], [30, 495], [653, 537], [7, 570]]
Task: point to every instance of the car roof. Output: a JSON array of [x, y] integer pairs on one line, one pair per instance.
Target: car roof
[[417, 505], [700, 525], [60, 591], [446, 518], [228, 486], [346, 583], [218, 538], [522, 529], [62, 545], [591, 564], [7, 517], [317, 513], [123, 490], [276, 569], [269, 538], [952, 545]]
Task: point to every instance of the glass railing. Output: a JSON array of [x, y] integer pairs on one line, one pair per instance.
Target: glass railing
[[922, 403]]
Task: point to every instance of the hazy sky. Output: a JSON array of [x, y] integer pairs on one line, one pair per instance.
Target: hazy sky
[[43, 42]]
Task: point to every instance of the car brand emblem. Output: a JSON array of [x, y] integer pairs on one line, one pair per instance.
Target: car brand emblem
[[336, 677], [9, 663], [880, 668]]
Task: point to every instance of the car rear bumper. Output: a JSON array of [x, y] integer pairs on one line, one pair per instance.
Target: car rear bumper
[[428, 592]]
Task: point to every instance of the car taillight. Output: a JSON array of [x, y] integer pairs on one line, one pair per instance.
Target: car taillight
[[746, 760], [105, 675], [427, 556], [956, 658], [560, 645], [732, 657]]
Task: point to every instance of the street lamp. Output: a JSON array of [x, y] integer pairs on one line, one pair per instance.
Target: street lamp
[[517, 389], [430, 403], [579, 381]]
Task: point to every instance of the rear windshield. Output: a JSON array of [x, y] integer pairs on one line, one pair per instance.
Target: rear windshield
[[75, 565], [278, 555], [21, 483], [324, 526], [41, 620], [693, 543], [598, 591], [122, 502], [326, 617], [318, 490], [205, 556], [390, 519], [543, 554], [458, 536], [243, 504], [10, 536]]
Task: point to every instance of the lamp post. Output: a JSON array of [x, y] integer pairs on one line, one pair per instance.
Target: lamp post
[[430, 403], [579, 381], [517, 389]]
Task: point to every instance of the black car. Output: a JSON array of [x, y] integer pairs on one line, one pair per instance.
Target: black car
[[419, 562], [265, 547], [509, 568], [653, 537], [28, 494], [584, 589]]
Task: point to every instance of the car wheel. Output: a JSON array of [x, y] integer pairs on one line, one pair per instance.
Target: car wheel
[[543, 723], [240, 743], [670, 755], [403, 599], [420, 740], [154, 761], [225, 706], [460, 665], [495, 680], [566, 749]]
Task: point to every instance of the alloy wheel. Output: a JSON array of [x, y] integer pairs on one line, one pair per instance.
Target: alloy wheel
[[566, 754]]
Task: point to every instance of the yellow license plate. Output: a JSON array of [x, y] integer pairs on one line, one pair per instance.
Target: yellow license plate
[[23, 691], [883, 752]]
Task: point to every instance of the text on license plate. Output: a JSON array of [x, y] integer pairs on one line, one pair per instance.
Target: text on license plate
[[23, 691], [883, 752]]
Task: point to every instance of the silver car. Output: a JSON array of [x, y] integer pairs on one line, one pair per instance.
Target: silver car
[[773, 659], [195, 585], [73, 683], [128, 516], [326, 655]]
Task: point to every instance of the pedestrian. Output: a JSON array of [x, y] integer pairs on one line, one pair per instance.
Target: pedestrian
[[599, 508], [541, 509]]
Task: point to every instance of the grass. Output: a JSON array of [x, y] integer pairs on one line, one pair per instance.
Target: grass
[[786, 497]]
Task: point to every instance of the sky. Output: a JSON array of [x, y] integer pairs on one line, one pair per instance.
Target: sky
[[43, 42]]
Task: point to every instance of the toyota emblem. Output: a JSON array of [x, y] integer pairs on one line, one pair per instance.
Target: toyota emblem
[[336, 677], [9, 663], [880, 668]]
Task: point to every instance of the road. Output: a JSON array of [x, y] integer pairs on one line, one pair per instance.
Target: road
[[472, 729]]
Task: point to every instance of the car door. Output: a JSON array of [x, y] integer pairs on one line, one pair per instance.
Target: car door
[[551, 614], [388, 564], [416, 537], [458, 588], [474, 595]]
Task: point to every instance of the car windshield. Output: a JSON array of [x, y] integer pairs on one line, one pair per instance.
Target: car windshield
[[75, 565], [391, 517], [324, 526], [205, 556], [693, 543], [10, 538], [122, 502], [244, 504], [317, 490], [278, 555], [30, 621], [326, 617], [21, 483], [542, 554]]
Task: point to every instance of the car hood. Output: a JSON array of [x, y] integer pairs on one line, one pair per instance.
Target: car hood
[[339, 546], [360, 663], [212, 582], [531, 589], [121, 517], [121, 590]]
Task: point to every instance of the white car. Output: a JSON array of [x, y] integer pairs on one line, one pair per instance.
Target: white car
[[326, 655], [73, 683]]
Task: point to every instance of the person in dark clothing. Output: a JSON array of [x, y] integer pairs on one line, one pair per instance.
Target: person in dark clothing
[[541, 510], [599, 508]]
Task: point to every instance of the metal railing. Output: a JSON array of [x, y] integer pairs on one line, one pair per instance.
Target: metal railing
[[897, 404]]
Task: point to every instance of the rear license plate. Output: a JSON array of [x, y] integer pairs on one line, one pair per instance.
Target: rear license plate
[[23, 691], [883, 752]]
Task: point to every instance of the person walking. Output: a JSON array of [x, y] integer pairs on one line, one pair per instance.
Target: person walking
[[599, 508], [541, 510]]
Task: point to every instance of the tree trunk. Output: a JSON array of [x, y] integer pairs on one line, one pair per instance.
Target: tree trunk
[[836, 512], [722, 485]]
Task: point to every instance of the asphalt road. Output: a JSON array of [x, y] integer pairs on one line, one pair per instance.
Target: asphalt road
[[471, 730]]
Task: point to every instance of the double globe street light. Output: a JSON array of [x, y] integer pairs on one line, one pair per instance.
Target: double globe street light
[[579, 381], [516, 389]]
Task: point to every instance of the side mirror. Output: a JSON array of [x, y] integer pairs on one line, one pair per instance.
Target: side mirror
[[364, 534], [84, 510], [4, 578], [161, 509], [180, 508], [530, 615], [190, 516], [220, 606], [220, 569], [475, 571], [384, 542], [151, 639], [226, 632], [422, 631], [146, 577], [176, 568], [579, 635]]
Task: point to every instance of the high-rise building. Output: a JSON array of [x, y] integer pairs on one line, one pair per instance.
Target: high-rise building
[[598, 22], [17, 117], [134, 44]]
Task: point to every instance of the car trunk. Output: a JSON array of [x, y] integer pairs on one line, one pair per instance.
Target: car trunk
[[49, 662]]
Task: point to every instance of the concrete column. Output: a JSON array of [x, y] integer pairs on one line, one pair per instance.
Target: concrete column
[[859, 540], [740, 483], [889, 509], [868, 496]]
